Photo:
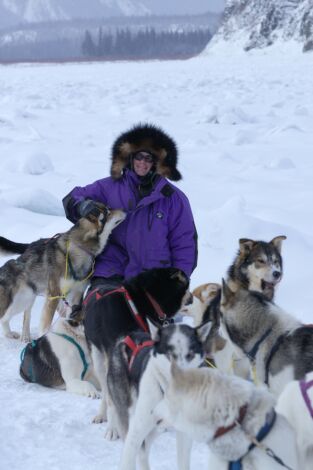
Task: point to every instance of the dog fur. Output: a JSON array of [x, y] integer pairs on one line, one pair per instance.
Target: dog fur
[[55, 360], [283, 347], [41, 269], [291, 404], [199, 402], [109, 317], [137, 394]]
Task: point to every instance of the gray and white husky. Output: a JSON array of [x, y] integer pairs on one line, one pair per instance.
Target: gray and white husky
[[279, 347], [52, 267], [137, 386], [228, 413], [258, 266]]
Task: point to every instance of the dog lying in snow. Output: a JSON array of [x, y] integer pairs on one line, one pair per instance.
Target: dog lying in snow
[[61, 358], [296, 404], [225, 412]]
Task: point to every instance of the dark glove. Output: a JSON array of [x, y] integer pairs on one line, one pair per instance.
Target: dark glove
[[88, 207]]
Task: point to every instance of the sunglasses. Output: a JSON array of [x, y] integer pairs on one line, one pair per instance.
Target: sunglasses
[[145, 156]]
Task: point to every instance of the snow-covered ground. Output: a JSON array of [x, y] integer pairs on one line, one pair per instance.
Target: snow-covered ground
[[244, 127]]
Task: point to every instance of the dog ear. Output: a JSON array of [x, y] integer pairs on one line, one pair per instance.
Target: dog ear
[[180, 276], [277, 241], [245, 246], [154, 331], [210, 292], [227, 293], [203, 331]]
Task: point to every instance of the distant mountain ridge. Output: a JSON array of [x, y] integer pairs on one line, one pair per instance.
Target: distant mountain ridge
[[261, 23], [33, 11]]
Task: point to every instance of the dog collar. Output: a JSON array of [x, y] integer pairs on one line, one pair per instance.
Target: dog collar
[[223, 430], [254, 350], [264, 431], [162, 316]]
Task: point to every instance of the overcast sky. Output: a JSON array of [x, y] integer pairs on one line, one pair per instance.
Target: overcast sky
[[184, 6]]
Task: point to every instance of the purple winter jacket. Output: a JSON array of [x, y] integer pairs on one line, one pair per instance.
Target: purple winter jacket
[[159, 229]]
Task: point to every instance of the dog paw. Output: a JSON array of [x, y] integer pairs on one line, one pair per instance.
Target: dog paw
[[99, 419], [12, 335], [111, 434], [94, 395]]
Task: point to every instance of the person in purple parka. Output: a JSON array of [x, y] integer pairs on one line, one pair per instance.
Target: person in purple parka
[[159, 229]]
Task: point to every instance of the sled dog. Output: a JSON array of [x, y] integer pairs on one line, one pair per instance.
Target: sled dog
[[296, 404], [156, 294], [279, 347], [53, 267], [61, 358], [227, 413], [137, 387], [258, 266]]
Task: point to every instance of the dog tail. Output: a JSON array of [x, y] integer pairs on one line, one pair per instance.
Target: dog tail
[[9, 247]]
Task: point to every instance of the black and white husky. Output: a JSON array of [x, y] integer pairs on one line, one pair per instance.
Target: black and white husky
[[278, 346], [138, 375], [61, 358]]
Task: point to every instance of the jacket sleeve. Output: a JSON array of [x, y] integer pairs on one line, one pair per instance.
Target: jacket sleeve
[[183, 239], [95, 191]]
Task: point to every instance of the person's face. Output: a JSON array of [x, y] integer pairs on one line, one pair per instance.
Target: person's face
[[142, 163]]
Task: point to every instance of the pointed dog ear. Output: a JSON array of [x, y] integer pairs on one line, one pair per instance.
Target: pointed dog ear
[[180, 276], [277, 242], [227, 293], [203, 331], [154, 331], [245, 246]]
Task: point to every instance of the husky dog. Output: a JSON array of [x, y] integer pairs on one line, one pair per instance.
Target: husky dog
[[137, 388], [296, 404], [53, 267], [110, 315], [279, 347], [258, 266], [227, 413], [61, 358]]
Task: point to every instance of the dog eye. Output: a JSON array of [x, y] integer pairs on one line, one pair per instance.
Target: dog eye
[[261, 261], [190, 356]]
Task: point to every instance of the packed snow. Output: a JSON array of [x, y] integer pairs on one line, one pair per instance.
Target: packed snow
[[243, 124]]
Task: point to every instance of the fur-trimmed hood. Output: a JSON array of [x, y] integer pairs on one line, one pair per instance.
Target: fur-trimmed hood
[[150, 138]]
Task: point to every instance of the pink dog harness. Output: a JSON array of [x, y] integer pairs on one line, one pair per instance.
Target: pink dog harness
[[304, 386]]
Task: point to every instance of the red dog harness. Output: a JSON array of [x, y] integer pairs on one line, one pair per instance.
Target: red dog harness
[[131, 304], [135, 348]]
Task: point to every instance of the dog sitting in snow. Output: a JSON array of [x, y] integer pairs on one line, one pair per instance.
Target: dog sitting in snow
[[61, 358], [258, 266], [228, 413], [296, 404]]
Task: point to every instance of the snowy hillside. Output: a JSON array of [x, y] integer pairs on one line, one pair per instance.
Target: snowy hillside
[[261, 23], [243, 124]]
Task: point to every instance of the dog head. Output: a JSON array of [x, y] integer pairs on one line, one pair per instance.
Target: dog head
[[201, 297], [99, 227], [181, 343], [169, 287], [258, 265]]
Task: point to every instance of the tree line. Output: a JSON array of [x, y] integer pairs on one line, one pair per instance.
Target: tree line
[[144, 44]]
